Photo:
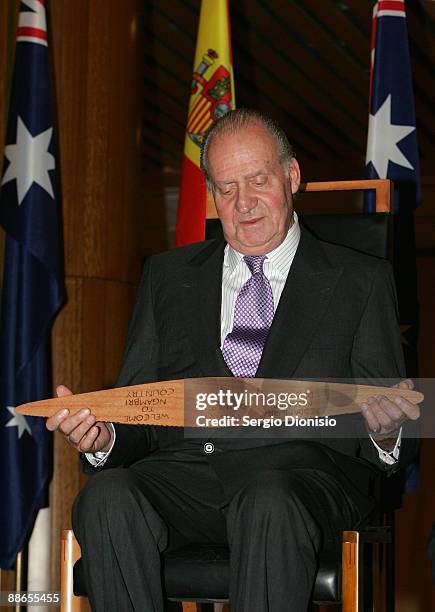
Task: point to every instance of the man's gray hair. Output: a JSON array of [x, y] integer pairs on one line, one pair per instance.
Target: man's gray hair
[[234, 121]]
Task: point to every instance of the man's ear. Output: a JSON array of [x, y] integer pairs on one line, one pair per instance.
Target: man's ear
[[210, 204], [295, 175]]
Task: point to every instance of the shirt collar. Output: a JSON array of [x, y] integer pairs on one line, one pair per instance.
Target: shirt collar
[[281, 257]]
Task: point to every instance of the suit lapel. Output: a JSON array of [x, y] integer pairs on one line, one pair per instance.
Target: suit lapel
[[201, 297], [304, 300]]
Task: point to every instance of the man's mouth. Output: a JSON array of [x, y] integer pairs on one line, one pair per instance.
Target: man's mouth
[[250, 222]]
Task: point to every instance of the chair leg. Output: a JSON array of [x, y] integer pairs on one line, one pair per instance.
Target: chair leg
[[378, 577], [351, 573], [70, 553], [377, 587]]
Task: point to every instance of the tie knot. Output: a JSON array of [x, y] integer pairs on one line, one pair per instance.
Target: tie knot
[[254, 263]]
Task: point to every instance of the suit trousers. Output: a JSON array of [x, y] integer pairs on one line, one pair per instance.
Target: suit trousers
[[275, 525]]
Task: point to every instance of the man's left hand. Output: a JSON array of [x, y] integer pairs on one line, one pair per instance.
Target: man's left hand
[[384, 417]]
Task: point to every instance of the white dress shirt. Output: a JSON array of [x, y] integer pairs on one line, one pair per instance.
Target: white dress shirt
[[235, 273]]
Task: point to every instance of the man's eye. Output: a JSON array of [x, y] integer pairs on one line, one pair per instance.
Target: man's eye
[[260, 182]]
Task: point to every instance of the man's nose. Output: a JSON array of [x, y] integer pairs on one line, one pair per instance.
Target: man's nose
[[245, 200]]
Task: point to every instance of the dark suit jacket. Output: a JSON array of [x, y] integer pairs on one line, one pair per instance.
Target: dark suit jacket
[[337, 318]]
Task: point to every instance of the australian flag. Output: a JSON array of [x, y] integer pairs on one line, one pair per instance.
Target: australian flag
[[392, 152], [32, 291]]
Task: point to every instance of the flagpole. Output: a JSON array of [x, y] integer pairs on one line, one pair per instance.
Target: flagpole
[[39, 558], [21, 574]]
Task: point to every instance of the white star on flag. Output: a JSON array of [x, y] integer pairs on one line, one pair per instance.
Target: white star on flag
[[30, 161], [382, 140], [18, 420]]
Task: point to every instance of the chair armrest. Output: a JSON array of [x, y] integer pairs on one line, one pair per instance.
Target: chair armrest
[[368, 535]]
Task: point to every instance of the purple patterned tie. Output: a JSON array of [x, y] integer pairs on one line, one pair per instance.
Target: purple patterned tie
[[253, 315]]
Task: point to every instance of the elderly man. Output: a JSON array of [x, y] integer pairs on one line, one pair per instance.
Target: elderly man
[[270, 301]]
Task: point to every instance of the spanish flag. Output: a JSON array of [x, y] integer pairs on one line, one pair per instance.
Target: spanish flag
[[212, 95]]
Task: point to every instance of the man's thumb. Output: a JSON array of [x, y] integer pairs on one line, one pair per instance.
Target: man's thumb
[[62, 391]]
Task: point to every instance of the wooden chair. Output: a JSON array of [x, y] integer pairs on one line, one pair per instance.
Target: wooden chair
[[198, 576], [336, 583]]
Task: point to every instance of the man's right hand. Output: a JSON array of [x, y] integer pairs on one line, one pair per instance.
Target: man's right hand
[[81, 430]]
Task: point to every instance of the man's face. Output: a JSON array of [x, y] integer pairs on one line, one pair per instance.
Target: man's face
[[252, 194]]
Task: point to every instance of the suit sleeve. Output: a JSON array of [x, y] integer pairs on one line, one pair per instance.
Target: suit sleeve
[[139, 365], [377, 353]]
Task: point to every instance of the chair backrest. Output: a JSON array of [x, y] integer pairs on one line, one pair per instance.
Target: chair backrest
[[382, 187]]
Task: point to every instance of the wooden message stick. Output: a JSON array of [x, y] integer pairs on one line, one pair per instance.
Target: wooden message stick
[[167, 402], [159, 403]]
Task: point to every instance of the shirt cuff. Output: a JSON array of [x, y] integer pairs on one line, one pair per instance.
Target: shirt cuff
[[389, 457], [99, 458]]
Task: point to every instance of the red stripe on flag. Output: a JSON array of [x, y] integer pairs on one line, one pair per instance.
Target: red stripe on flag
[[191, 206], [195, 111], [199, 113], [373, 52], [32, 32], [207, 125], [200, 118], [391, 5]]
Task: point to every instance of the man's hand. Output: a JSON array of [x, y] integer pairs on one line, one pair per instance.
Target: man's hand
[[385, 417], [81, 430]]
